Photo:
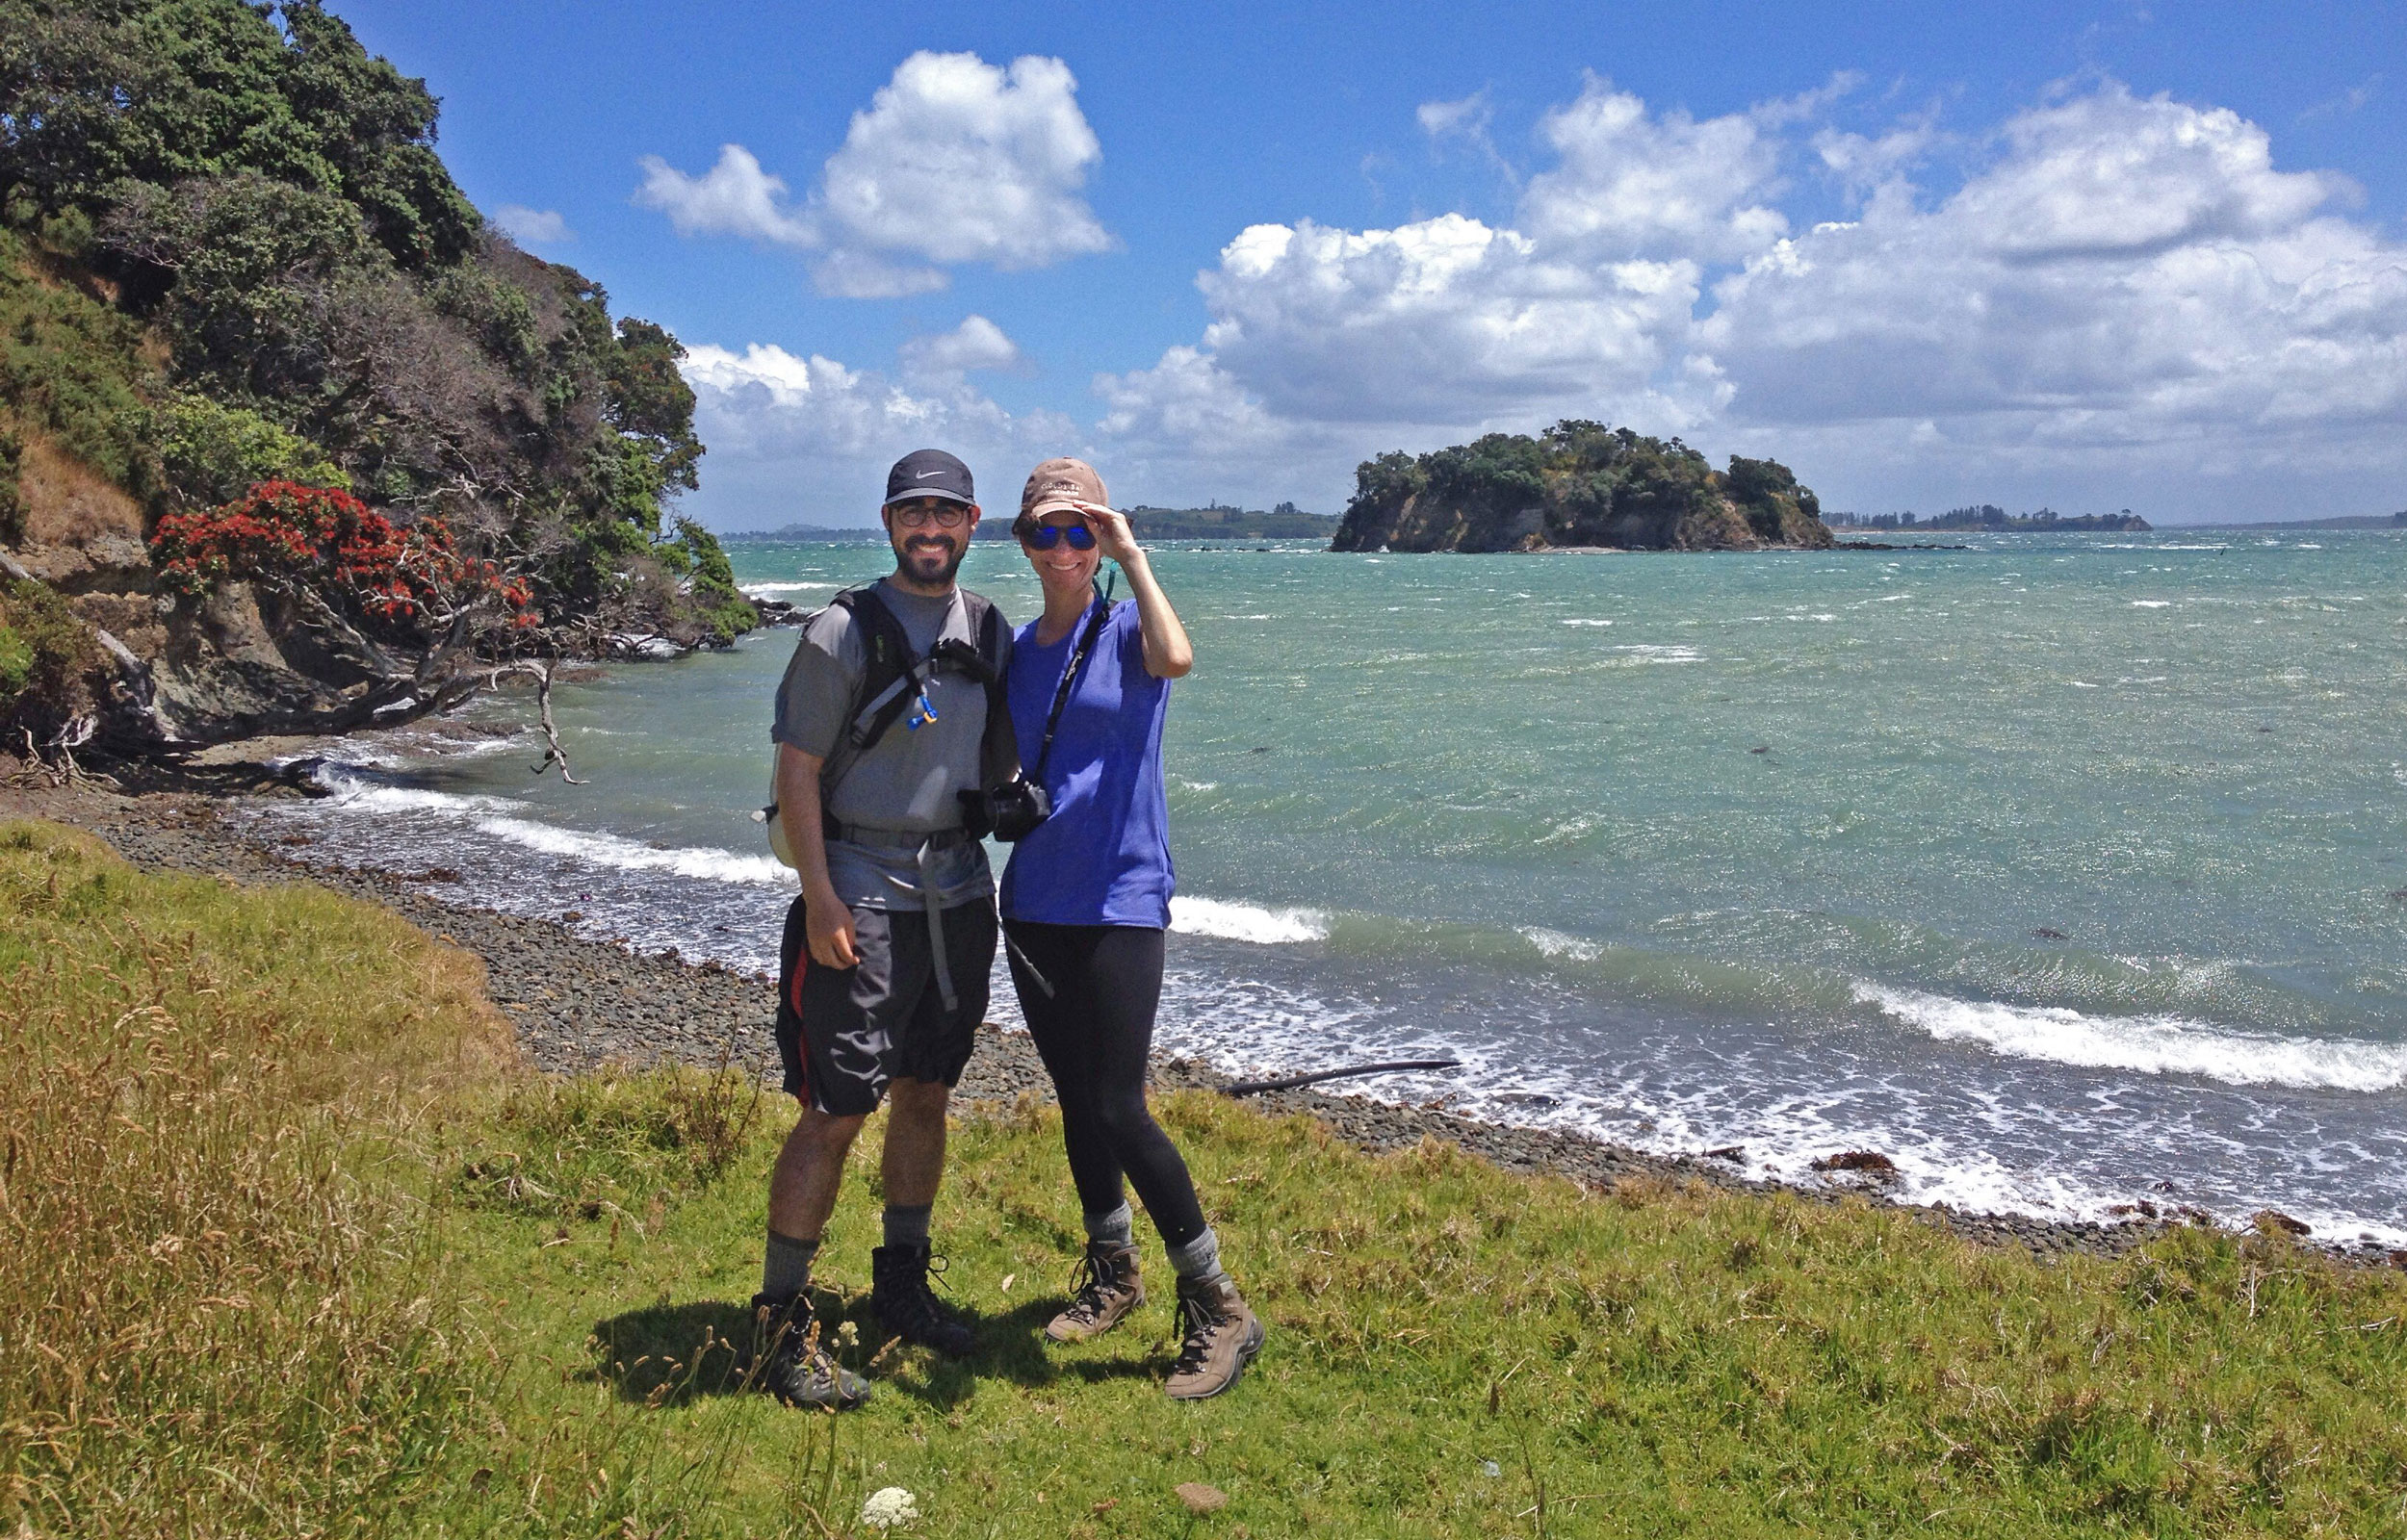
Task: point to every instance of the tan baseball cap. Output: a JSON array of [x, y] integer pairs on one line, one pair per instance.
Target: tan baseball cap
[[1061, 484]]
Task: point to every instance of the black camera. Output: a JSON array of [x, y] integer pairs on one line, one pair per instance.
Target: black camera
[[1010, 812]]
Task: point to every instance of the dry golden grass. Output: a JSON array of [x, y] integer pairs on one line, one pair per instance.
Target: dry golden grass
[[214, 1319]]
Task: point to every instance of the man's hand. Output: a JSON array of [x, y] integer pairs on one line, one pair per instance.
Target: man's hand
[[827, 920], [1112, 535], [828, 923]]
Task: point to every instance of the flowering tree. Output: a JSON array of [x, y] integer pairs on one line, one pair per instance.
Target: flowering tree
[[399, 603], [342, 564]]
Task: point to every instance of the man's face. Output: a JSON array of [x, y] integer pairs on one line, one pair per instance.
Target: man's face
[[930, 536]]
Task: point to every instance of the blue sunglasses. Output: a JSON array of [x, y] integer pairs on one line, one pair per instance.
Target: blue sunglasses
[[1046, 536]]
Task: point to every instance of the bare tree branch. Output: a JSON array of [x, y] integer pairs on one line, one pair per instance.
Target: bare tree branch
[[543, 672]]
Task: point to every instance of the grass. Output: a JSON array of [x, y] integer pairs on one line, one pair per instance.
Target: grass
[[480, 1302], [75, 369]]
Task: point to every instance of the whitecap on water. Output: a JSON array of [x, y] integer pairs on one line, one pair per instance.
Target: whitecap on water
[[626, 855], [2150, 1045], [1649, 652], [1246, 922]]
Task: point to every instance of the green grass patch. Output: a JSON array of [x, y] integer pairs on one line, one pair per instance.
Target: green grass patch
[[538, 1320], [72, 367]]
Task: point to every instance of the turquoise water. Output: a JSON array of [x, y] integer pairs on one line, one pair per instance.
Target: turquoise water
[[2062, 869]]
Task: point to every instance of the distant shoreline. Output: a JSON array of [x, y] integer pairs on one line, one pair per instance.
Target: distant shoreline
[[2350, 521]]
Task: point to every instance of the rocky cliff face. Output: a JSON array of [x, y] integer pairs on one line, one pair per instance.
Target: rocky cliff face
[[1578, 484]]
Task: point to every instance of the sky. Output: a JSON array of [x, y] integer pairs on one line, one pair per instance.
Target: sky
[[2084, 256]]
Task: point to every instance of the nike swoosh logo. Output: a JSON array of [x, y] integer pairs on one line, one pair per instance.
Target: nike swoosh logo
[[924, 474]]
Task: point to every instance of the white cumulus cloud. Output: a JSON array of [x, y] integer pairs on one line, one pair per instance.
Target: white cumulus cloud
[[954, 161], [2122, 300], [533, 227], [2129, 291], [1630, 183], [1442, 320], [735, 197], [976, 344], [2106, 301], [807, 439]]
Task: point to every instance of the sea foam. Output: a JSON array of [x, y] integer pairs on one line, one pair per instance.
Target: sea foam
[[705, 863], [2150, 1045], [500, 818]]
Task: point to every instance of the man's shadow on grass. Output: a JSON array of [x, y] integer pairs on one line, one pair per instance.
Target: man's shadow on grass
[[672, 1354]]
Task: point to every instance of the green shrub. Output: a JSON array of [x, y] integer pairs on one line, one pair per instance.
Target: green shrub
[[718, 604], [12, 500], [215, 453], [46, 653]]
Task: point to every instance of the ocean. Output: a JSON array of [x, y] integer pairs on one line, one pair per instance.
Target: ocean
[[2067, 871]]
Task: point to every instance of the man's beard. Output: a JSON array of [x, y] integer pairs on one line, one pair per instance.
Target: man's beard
[[912, 563]]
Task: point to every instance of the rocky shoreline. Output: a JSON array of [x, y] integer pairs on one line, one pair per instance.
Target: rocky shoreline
[[578, 1004]]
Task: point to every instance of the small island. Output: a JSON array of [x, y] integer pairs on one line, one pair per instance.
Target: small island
[[1577, 486]]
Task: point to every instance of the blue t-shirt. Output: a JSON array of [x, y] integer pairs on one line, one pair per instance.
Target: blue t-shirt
[[1103, 857]]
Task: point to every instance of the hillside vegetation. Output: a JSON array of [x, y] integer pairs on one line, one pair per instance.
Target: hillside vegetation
[[229, 256], [289, 1245], [1578, 483]]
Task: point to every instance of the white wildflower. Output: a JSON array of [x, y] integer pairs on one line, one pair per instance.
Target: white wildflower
[[889, 1507]]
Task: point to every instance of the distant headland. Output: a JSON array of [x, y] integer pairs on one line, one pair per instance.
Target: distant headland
[[1577, 485], [1989, 516], [1213, 521]]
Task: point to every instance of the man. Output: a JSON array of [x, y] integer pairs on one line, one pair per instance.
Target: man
[[881, 723]]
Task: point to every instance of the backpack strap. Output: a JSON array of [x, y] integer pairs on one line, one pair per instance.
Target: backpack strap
[[892, 673], [999, 752], [880, 697]]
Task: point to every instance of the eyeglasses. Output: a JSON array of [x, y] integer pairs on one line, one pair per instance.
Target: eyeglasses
[[1046, 536], [942, 515]]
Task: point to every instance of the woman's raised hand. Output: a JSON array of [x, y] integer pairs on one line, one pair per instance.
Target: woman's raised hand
[[1112, 535]]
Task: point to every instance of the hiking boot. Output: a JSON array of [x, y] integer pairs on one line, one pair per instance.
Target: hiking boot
[[1107, 1289], [798, 1370], [1222, 1337], [907, 1308]]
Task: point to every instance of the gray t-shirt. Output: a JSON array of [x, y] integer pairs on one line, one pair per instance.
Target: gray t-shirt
[[905, 785]]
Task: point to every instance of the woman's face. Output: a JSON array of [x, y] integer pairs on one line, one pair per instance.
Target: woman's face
[[1064, 566]]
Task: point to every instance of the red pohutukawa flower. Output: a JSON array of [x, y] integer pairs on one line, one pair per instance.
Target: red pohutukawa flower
[[324, 537]]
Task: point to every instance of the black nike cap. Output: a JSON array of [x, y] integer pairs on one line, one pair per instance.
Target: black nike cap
[[930, 473]]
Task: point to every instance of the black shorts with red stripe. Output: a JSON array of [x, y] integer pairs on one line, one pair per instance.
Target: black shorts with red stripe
[[843, 1033]]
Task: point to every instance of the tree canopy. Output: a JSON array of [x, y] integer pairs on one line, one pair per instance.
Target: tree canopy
[[246, 185]]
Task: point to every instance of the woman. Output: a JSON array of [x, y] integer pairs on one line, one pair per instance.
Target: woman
[[1085, 901]]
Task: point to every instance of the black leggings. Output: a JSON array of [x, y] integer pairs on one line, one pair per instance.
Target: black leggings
[[1095, 1031]]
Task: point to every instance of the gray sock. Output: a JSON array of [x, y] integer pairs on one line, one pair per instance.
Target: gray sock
[[786, 1269], [1199, 1259], [907, 1226], [1116, 1228]]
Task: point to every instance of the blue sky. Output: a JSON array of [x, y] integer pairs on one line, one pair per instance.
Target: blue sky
[[2082, 255]]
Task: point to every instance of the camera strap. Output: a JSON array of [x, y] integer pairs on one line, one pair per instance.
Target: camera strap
[[1068, 682]]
